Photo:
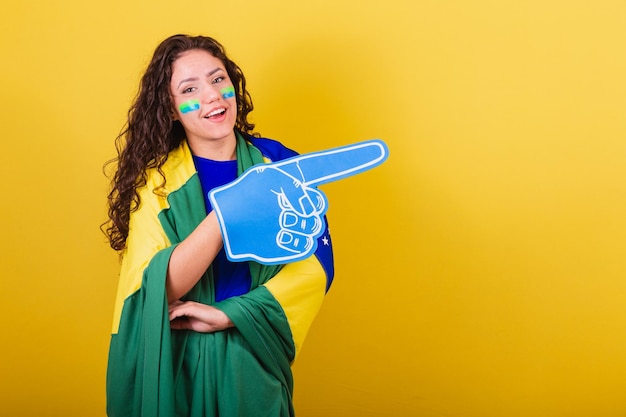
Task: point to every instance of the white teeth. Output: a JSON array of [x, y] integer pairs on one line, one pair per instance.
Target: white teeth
[[216, 112]]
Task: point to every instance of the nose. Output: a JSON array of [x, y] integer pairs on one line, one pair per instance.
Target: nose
[[211, 94]]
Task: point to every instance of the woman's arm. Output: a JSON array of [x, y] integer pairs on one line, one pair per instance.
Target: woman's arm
[[192, 258], [188, 263]]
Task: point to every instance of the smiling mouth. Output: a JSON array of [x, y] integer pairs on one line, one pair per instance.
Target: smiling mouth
[[215, 113]]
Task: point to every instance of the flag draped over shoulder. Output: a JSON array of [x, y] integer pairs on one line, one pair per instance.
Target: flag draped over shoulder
[[243, 371]]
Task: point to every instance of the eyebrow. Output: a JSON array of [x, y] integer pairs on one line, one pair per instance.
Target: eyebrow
[[213, 71]]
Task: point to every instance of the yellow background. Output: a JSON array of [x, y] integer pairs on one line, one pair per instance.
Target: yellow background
[[480, 270]]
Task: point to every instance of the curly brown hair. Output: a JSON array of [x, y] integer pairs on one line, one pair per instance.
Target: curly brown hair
[[150, 132]]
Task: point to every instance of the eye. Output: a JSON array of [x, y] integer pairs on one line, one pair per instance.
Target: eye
[[218, 79], [189, 90]]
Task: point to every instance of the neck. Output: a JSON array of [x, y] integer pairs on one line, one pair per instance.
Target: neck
[[218, 150]]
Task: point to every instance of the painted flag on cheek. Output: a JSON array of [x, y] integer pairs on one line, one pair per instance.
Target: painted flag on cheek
[[189, 106]]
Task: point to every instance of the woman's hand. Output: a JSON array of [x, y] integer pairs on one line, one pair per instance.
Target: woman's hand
[[198, 317]]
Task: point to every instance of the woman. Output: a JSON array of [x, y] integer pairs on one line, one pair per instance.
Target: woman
[[237, 326]]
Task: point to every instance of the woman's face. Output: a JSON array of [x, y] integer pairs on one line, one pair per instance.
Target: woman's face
[[204, 99]]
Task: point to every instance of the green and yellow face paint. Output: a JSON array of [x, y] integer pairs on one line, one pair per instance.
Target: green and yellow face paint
[[189, 106], [228, 92]]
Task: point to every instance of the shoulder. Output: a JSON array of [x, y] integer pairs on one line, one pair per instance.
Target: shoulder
[[272, 149], [174, 173]]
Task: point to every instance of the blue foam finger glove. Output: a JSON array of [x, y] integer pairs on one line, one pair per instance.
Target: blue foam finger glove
[[273, 213]]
